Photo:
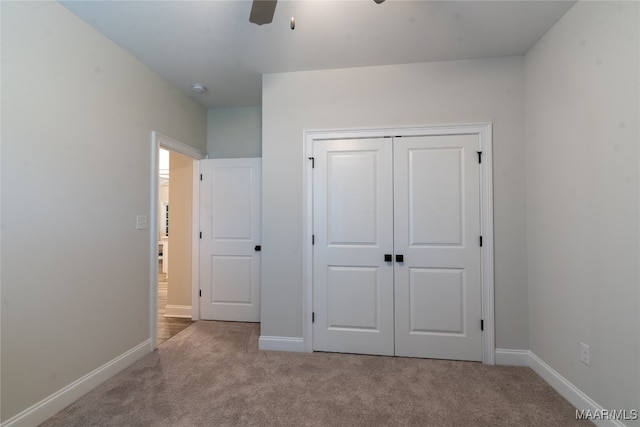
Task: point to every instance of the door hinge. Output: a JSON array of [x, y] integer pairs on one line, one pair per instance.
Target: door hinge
[[313, 317], [482, 324], [479, 156], [200, 177], [200, 292], [201, 234], [480, 240], [313, 239], [313, 162]]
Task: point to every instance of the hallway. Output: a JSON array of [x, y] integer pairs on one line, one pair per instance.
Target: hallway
[[167, 326]]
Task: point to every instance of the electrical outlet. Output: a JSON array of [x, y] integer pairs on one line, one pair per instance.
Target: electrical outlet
[[585, 354]]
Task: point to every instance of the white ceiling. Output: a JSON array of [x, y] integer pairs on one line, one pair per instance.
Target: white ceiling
[[213, 43]]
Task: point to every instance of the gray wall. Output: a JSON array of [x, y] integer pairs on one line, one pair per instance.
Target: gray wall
[[234, 132], [582, 90], [488, 90], [77, 117]]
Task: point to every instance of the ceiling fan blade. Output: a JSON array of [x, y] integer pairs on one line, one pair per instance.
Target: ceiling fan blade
[[262, 11]]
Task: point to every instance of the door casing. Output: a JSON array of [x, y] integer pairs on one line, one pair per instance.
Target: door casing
[[159, 140], [484, 131]]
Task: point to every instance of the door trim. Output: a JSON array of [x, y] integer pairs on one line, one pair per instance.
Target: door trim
[[484, 131], [159, 140], [195, 242]]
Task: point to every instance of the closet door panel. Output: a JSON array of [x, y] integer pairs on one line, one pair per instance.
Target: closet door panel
[[353, 228], [437, 232]]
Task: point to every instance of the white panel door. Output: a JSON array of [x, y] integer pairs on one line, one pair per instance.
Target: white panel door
[[353, 230], [229, 247], [437, 230], [417, 201]]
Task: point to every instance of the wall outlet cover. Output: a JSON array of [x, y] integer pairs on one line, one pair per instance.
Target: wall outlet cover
[[585, 354]]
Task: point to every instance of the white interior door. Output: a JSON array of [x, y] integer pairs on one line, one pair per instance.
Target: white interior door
[[353, 226], [229, 247], [437, 232], [416, 201]]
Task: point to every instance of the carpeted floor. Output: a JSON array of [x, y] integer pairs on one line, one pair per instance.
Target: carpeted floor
[[212, 374]]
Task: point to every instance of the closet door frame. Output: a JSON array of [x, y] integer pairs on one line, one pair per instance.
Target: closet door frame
[[484, 132]]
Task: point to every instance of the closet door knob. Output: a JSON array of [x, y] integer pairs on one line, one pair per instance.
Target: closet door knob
[[388, 258], [399, 258]]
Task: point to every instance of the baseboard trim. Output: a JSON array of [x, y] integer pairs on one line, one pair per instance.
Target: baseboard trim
[[569, 391], [59, 400], [505, 356], [183, 311], [281, 344], [564, 387]]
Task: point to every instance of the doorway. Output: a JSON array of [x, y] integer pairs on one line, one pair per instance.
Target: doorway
[[419, 261], [174, 293], [174, 219]]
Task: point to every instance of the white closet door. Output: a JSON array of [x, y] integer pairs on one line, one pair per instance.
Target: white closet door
[[353, 227], [230, 222], [437, 231]]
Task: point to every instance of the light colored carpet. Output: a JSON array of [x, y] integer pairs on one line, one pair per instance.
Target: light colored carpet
[[212, 374]]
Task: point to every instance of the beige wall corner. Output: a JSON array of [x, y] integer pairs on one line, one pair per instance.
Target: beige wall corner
[[180, 229]]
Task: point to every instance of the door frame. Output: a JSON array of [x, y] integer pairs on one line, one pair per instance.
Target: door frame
[[159, 140], [484, 131]]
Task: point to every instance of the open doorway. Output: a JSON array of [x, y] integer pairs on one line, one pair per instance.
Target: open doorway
[[174, 290], [174, 225]]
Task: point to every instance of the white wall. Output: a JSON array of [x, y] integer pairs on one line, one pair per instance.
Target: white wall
[[488, 90], [234, 132], [77, 117], [582, 92]]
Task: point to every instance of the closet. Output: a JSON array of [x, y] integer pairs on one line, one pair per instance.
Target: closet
[[397, 246]]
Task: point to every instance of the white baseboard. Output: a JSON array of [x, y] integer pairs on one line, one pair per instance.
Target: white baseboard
[[569, 391], [281, 344], [59, 400], [505, 356], [172, 310], [559, 383]]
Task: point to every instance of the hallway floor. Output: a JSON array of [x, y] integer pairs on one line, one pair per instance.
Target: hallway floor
[[167, 326]]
